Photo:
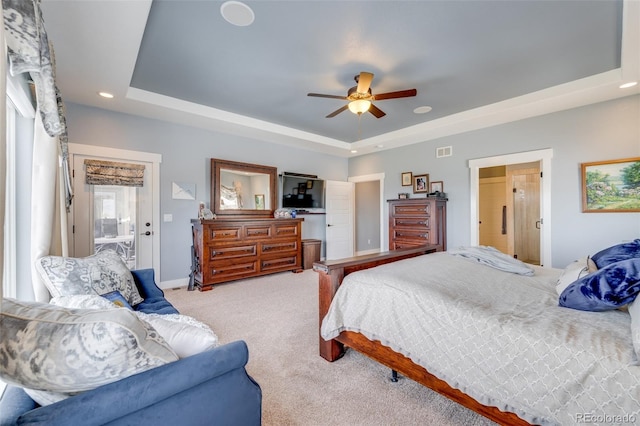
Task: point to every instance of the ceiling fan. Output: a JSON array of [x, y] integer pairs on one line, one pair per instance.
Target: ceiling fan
[[360, 97]]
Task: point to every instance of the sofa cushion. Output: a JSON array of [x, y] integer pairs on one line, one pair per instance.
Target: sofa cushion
[[100, 273], [66, 351], [186, 335]]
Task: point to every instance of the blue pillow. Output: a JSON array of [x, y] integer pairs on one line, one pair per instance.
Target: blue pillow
[[617, 253], [608, 288]]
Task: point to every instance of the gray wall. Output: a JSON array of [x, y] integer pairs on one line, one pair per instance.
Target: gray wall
[[186, 153], [368, 224], [604, 131]]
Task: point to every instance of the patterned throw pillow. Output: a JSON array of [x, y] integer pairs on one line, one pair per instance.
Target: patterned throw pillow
[[67, 351], [608, 288], [616, 253], [186, 335], [98, 274]]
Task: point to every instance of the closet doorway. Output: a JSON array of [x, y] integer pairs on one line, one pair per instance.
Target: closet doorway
[[509, 206], [524, 172]]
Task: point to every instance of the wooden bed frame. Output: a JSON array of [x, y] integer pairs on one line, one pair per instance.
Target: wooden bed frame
[[331, 274]]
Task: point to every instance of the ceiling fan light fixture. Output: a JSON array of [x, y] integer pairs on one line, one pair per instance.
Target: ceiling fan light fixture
[[359, 106]]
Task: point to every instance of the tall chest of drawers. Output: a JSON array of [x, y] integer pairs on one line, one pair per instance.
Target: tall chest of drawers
[[418, 221], [231, 249]]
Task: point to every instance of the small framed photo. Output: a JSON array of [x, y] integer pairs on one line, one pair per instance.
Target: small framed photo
[[437, 186], [406, 178], [309, 184], [611, 186], [403, 195], [259, 200], [421, 183], [302, 188]]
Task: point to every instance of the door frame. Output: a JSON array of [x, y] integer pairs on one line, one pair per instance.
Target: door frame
[[370, 178], [544, 156], [148, 157]]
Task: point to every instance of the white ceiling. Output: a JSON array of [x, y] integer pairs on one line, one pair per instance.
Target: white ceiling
[[477, 63]]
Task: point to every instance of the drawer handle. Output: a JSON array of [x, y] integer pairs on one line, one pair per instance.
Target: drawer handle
[[213, 253]]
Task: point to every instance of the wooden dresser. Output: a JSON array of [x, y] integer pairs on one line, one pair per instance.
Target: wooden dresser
[[418, 221], [233, 248]]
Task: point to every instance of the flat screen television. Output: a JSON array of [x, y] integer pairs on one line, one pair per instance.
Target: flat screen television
[[302, 193]]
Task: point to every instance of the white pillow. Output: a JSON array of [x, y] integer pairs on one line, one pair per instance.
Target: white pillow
[[186, 335], [66, 351], [634, 312], [574, 271], [98, 274]]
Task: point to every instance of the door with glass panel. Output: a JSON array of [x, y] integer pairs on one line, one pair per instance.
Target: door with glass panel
[[112, 215]]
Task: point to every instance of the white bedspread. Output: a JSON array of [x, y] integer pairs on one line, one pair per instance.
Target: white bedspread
[[499, 337]]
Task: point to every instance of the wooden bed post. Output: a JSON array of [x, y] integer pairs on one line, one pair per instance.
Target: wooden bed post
[[329, 282]]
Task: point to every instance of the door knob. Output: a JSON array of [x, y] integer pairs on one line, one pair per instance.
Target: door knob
[[146, 233]]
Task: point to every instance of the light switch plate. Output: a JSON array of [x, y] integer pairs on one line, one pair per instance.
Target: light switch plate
[[168, 217]]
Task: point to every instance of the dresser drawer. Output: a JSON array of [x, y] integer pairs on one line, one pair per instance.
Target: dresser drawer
[[227, 233], [257, 231], [217, 252], [269, 247], [280, 263], [411, 234], [397, 245], [285, 230], [413, 222], [417, 209], [225, 271]]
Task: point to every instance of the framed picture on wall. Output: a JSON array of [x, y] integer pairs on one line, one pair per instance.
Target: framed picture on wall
[[436, 186], [406, 178], [420, 183], [611, 186]]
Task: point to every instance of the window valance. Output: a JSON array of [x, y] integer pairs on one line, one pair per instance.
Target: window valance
[[101, 172]]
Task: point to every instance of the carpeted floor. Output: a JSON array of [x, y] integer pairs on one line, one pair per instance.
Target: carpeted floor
[[277, 316]]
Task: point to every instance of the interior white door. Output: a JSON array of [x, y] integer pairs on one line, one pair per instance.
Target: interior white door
[[339, 219], [113, 217]]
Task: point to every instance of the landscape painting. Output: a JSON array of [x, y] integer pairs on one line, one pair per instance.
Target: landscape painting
[[611, 186]]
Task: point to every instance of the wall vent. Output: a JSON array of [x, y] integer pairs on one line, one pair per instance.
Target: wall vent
[[444, 151]]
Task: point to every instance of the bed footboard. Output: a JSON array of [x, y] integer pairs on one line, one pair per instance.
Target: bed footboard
[[331, 274]]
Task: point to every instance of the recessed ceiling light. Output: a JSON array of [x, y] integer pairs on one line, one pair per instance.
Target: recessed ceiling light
[[627, 85], [237, 13], [353, 151], [422, 109], [106, 95]]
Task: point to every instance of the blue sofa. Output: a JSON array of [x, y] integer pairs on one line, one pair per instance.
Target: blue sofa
[[212, 387]]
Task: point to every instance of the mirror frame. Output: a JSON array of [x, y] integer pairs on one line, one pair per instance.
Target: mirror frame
[[217, 165]]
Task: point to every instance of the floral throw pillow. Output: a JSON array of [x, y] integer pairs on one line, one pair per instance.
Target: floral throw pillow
[[98, 274], [65, 351]]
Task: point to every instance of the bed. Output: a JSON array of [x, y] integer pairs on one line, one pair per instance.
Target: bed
[[494, 341]]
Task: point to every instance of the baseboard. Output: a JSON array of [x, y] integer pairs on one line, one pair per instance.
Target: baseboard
[[168, 285], [372, 251]]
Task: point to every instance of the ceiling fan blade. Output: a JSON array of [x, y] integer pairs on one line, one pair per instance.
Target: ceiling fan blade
[[398, 94], [338, 111], [320, 95], [376, 111], [364, 82]]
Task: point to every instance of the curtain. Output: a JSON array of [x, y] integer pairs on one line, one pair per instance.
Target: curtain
[[29, 50], [100, 172], [3, 146]]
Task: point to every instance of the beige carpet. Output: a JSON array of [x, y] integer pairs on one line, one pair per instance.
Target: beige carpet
[[277, 316]]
